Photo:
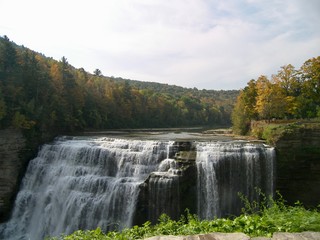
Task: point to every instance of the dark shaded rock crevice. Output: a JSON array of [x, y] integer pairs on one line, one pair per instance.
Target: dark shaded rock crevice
[[175, 189]]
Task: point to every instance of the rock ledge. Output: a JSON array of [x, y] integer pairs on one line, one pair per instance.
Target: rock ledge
[[242, 236]]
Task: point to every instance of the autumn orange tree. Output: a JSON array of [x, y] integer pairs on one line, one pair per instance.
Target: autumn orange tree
[[289, 94]]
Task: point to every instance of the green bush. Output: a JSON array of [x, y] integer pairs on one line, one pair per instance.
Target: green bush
[[257, 219]]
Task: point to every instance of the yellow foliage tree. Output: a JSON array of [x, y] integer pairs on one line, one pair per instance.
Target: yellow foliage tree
[[271, 100]]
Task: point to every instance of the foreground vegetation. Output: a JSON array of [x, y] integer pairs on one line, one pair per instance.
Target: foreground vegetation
[[256, 220]]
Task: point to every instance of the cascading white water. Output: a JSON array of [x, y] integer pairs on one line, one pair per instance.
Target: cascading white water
[[228, 168], [82, 184], [85, 183], [163, 188], [164, 196]]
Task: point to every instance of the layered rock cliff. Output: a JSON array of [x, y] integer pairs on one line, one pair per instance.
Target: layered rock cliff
[[12, 164], [298, 164]]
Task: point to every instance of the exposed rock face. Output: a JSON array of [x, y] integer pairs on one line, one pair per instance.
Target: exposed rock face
[[174, 191], [298, 166], [12, 145], [209, 236], [241, 236]]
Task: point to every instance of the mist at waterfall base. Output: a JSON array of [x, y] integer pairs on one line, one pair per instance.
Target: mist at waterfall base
[[89, 182]]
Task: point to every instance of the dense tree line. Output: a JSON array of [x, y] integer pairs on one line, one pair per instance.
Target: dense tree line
[[218, 95], [41, 94], [289, 94]]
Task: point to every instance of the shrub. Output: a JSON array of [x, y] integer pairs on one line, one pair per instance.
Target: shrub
[[257, 219]]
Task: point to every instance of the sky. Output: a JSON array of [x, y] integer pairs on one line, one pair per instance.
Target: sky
[[207, 44]]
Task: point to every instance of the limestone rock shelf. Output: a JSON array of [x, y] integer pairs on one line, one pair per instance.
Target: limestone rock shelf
[[242, 236]]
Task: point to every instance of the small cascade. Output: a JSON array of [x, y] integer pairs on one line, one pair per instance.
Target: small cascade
[[228, 168], [163, 189], [164, 196], [82, 184], [207, 189]]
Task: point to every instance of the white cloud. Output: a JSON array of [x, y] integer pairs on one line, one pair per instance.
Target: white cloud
[[195, 43]]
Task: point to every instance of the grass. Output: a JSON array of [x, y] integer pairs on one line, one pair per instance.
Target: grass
[[257, 219], [273, 131]]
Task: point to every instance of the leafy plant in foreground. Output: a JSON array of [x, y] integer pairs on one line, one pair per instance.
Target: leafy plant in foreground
[[258, 219]]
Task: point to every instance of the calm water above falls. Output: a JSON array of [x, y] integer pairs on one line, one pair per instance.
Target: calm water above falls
[[83, 183]]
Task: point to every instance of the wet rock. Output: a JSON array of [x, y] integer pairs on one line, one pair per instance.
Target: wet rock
[[169, 191], [296, 236], [12, 143]]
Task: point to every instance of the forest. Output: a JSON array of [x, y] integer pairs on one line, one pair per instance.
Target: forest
[[40, 94], [289, 94]]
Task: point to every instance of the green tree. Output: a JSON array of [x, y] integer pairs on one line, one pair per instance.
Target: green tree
[[288, 80], [271, 101], [288, 87], [20, 121], [8, 57], [240, 119], [250, 97], [264, 98], [54, 96], [3, 111], [97, 72], [10, 78], [310, 97], [74, 99]]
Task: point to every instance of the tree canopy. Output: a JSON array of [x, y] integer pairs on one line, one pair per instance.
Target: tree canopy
[[41, 94], [289, 94]]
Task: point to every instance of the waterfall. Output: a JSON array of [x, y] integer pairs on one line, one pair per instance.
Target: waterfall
[[228, 168], [163, 188], [164, 196], [86, 182], [82, 184]]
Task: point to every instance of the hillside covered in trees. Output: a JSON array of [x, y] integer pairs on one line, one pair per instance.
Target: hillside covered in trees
[[41, 94], [289, 94]]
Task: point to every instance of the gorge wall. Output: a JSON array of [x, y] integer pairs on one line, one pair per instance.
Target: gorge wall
[[298, 165], [12, 164]]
